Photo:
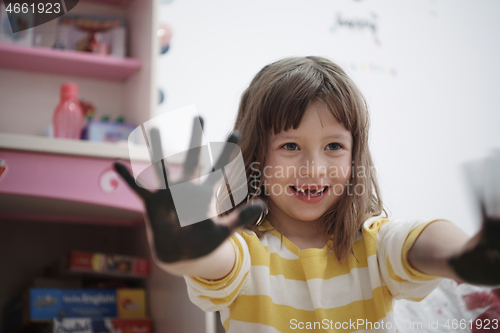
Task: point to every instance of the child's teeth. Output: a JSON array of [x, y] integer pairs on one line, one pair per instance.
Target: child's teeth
[[311, 193]]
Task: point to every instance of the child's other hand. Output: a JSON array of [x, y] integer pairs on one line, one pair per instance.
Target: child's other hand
[[169, 241], [479, 262]]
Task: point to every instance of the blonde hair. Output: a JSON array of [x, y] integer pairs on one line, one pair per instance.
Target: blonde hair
[[276, 100]]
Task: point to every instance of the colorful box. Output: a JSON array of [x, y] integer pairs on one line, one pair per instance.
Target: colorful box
[[118, 265], [50, 303], [102, 131], [107, 325], [45, 304], [131, 303]]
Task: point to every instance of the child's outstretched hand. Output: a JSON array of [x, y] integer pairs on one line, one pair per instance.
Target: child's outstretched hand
[[169, 241], [479, 263]]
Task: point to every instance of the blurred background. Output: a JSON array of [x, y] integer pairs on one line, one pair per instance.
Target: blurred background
[[429, 70]]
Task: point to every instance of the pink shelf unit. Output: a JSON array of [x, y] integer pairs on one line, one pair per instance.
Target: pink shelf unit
[[42, 186], [67, 62], [59, 187]]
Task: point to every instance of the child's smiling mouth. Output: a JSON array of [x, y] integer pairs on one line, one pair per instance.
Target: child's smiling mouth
[[311, 194]]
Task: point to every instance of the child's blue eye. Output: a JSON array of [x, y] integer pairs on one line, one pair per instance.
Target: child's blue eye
[[290, 145], [334, 144]]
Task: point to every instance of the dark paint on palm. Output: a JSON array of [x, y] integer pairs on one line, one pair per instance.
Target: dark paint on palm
[[171, 241], [481, 264]]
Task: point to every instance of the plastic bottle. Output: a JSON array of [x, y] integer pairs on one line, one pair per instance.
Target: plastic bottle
[[68, 115]]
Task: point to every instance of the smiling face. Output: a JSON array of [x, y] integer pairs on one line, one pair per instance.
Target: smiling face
[[316, 156]]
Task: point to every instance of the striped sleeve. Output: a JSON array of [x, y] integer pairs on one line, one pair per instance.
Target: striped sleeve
[[394, 239], [216, 295]]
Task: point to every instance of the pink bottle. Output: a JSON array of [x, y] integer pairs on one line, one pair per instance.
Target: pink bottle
[[68, 115]]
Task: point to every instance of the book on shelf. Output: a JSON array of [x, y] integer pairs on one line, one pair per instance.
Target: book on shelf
[[46, 304], [100, 264]]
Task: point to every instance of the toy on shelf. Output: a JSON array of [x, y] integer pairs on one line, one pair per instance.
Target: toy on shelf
[[105, 264], [101, 35]]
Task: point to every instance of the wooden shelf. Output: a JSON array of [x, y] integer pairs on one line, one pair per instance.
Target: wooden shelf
[[67, 62], [68, 147], [109, 150]]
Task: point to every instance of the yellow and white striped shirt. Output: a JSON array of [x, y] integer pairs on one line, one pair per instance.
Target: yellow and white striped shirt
[[274, 288]]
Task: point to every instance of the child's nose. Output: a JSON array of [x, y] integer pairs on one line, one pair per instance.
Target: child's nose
[[313, 167]]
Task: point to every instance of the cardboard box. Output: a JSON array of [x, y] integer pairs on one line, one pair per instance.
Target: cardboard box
[[88, 325], [107, 325], [107, 131], [116, 265], [131, 303], [45, 304]]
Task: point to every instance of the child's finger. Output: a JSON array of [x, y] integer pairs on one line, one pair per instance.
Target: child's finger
[[225, 156], [193, 155], [249, 214], [229, 148], [157, 151], [129, 179]]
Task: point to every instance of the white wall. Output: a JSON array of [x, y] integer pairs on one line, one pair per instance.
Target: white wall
[[429, 73]]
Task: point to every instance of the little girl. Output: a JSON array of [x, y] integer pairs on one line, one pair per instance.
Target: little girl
[[318, 256]]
